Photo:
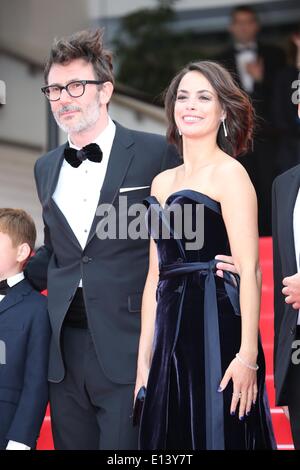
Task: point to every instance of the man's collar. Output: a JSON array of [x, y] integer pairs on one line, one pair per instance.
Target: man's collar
[[238, 46]]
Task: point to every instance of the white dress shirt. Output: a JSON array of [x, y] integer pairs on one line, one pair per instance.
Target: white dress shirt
[[12, 281], [78, 189], [296, 224], [243, 58]]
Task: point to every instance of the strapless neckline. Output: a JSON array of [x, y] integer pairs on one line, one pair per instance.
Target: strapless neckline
[[193, 194]]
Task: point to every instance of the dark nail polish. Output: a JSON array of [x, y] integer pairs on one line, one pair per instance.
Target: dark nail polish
[[241, 418], [220, 389], [232, 413], [248, 412]]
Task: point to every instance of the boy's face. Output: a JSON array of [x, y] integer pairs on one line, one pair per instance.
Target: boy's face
[[9, 257]]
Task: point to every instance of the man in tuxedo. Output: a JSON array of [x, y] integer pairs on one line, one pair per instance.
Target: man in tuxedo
[[254, 66], [286, 257], [94, 286]]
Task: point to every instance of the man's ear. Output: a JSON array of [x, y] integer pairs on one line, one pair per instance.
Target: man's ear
[[106, 92]]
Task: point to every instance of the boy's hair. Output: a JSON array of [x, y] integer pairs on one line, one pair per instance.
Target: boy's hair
[[18, 225]]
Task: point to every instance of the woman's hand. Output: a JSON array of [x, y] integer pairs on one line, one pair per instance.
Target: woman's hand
[[244, 386]]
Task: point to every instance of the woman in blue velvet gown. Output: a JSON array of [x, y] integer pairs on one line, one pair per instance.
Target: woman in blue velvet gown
[[200, 356]]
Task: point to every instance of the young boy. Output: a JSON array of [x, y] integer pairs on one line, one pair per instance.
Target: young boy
[[24, 337]]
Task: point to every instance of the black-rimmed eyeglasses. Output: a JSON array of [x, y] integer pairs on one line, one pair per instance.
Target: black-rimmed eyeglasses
[[75, 89]]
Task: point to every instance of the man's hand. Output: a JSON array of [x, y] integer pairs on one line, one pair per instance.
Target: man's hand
[[296, 40], [256, 70], [225, 264], [292, 290]]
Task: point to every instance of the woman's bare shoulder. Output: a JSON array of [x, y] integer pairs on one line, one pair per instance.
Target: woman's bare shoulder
[[230, 168], [233, 181], [162, 182]]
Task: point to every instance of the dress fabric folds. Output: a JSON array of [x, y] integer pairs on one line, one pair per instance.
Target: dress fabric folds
[[197, 334]]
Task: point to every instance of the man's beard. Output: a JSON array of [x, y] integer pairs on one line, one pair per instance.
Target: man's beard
[[86, 121]]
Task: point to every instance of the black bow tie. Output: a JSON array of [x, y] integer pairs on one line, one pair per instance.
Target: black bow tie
[[90, 152], [4, 287]]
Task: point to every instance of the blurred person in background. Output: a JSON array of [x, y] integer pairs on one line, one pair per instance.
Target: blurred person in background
[[254, 65], [285, 116]]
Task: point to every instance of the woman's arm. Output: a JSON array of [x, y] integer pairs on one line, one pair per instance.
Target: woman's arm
[[149, 302], [148, 320], [239, 210]]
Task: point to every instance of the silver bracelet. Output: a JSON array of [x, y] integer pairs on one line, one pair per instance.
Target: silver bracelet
[[245, 363]]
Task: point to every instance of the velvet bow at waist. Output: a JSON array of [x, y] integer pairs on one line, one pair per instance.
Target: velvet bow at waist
[[213, 365]]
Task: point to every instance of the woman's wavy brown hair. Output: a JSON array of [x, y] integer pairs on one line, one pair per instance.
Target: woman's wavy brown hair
[[234, 101]]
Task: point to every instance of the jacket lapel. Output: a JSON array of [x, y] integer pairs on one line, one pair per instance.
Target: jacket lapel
[[58, 158], [15, 295], [120, 159]]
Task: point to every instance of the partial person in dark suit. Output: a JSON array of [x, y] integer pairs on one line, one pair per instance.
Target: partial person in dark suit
[[286, 257], [24, 337], [254, 66]]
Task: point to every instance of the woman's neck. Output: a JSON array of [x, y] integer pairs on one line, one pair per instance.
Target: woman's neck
[[198, 153]]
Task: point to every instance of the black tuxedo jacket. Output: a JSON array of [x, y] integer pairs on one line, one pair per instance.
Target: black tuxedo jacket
[[25, 331], [285, 190], [113, 272]]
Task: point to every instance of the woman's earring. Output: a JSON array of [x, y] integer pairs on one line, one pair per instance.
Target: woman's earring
[[179, 132], [224, 127]]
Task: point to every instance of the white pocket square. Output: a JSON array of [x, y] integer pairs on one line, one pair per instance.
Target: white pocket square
[[122, 190]]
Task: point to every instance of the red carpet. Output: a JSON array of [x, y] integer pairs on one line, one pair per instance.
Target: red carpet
[[281, 423]]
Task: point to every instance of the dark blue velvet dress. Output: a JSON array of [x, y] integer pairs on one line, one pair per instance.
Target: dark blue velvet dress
[[197, 334]]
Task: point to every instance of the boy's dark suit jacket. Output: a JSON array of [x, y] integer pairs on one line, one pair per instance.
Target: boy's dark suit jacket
[[25, 331], [113, 271], [285, 190]]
